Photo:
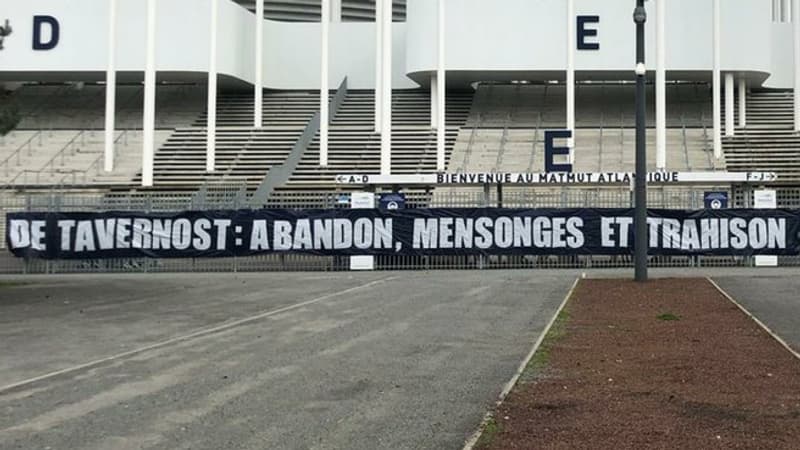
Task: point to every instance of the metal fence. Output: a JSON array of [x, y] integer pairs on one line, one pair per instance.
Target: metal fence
[[235, 198]]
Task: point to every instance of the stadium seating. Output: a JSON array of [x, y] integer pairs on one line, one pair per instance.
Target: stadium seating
[[244, 154], [498, 128], [355, 148], [597, 105], [76, 107], [59, 140], [69, 157], [769, 142], [505, 130]]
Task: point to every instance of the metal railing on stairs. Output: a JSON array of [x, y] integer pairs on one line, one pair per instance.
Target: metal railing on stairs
[[280, 174], [18, 152]]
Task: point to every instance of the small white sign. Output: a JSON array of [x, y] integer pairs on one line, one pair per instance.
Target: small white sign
[[362, 200], [765, 199]]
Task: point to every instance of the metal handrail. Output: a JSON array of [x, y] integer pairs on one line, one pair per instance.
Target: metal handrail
[[475, 127], [539, 121], [621, 139], [68, 146], [281, 174], [706, 147], [25, 172], [685, 144], [683, 128], [503, 141], [96, 163], [535, 141], [18, 151]]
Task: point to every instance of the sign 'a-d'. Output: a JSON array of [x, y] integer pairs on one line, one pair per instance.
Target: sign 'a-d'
[[354, 232]]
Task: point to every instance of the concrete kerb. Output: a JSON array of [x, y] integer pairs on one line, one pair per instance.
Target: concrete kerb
[[755, 319], [473, 439]]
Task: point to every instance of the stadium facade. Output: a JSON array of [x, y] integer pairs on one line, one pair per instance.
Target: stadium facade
[[465, 42], [169, 105], [499, 40]]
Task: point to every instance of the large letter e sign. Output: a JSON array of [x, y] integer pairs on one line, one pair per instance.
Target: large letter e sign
[[551, 151]]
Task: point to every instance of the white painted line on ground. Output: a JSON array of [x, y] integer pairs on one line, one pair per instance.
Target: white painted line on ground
[[755, 319], [200, 333], [473, 440]]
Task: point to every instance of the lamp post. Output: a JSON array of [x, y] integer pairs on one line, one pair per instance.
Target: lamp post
[[640, 217]]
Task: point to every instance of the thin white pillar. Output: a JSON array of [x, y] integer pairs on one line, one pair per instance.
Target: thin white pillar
[[796, 30], [787, 12], [386, 129], [211, 131], [324, 119], [149, 122], [717, 81], [111, 87], [378, 65], [258, 116], [441, 84], [434, 101], [336, 11], [661, 86], [730, 126], [742, 102], [571, 43]]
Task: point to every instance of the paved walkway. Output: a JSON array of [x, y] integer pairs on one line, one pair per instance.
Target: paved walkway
[[357, 361], [772, 297]]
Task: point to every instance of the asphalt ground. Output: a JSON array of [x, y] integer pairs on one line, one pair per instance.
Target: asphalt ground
[[773, 298], [253, 361]]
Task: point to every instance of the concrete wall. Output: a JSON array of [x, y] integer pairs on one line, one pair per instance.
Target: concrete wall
[[499, 39], [480, 37], [291, 49]]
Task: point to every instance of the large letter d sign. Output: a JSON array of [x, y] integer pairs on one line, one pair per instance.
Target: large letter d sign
[[40, 24]]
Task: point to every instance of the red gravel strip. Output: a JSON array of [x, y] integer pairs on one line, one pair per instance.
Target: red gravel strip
[[621, 378]]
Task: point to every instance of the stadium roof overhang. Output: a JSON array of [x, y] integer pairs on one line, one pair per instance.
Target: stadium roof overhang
[[465, 78]]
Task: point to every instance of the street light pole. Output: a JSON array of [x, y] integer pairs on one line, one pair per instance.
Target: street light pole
[[640, 217]]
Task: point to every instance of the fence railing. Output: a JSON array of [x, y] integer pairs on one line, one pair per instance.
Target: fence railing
[[17, 154], [234, 197]]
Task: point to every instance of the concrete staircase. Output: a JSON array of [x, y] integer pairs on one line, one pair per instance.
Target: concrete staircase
[[768, 142]]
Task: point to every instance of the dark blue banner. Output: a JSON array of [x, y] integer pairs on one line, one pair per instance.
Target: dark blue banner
[[487, 231]]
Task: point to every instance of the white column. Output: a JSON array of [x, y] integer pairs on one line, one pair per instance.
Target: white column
[[111, 87], [258, 116], [336, 11], [324, 106], [211, 131], [386, 129], [571, 43], [149, 122], [787, 11], [742, 102], [441, 84], [661, 86], [378, 65], [716, 83], [730, 125], [434, 101], [796, 30]]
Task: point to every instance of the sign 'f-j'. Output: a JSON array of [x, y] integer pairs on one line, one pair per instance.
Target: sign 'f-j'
[[399, 232]]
